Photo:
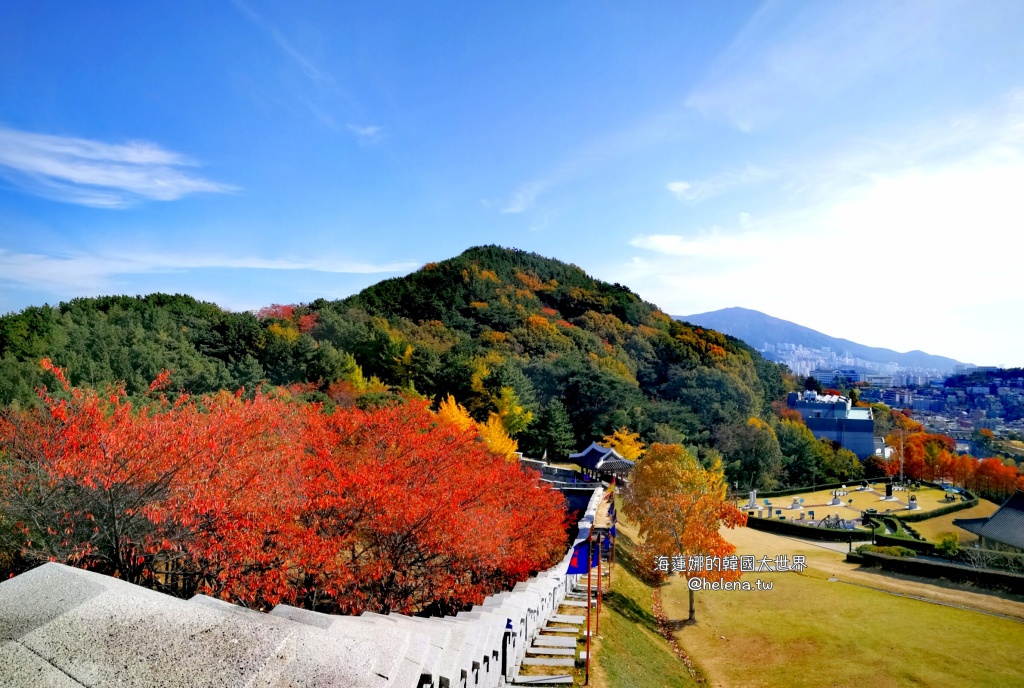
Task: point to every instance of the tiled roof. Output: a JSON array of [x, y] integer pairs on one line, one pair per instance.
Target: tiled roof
[[1006, 525]]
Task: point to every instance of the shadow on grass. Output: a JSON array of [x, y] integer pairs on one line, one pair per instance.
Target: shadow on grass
[[630, 610], [624, 555]]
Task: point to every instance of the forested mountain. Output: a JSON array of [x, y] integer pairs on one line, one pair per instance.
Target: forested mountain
[[505, 331], [757, 329]]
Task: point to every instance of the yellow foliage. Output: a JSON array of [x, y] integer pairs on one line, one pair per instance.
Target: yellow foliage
[[375, 385], [530, 281], [493, 336], [497, 440], [626, 443], [406, 358], [679, 507], [452, 413], [754, 422], [356, 378], [539, 322], [479, 304], [287, 332], [514, 417], [616, 368], [489, 275]]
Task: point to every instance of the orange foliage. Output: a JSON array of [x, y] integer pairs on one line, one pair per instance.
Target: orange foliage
[[493, 337], [277, 311], [783, 411], [262, 500], [679, 509]]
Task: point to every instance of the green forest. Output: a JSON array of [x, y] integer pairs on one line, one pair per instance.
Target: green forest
[[562, 357]]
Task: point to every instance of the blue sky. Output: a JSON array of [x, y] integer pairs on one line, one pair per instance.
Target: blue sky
[[855, 167]]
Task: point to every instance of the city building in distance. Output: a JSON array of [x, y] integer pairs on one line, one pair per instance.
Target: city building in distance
[[835, 418]]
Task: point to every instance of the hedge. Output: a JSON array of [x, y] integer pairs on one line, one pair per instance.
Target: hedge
[[919, 546], [808, 488], [806, 532], [912, 566]]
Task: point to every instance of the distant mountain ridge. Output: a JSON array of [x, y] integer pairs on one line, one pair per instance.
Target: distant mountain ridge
[[757, 328]]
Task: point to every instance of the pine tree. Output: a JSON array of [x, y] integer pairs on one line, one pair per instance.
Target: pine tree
[[559, 440]]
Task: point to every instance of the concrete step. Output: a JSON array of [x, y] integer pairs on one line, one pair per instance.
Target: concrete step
[[559, 680], [568, 618], [550, 661], [563, 651], [391, 643], [574, 603], [553, 641], [99, 630], [428, 647], [561, 629], [320, 657]]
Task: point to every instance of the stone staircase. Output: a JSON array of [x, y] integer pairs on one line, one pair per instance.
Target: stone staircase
[[63, 627]]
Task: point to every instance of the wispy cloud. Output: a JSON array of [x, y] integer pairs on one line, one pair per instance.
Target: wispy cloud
[[78, 273], [589, 158], [307, 65], [97, 174], [702, 189], [791, 57], [367, 134]]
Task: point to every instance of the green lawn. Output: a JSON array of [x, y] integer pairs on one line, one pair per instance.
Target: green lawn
[[810, 631], [934, 527], [631, 652], [817, 501]]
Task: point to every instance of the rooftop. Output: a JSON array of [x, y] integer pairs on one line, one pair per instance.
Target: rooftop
[[1005, 526]]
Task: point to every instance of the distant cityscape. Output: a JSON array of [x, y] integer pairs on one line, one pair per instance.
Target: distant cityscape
[[958, 404], [803, 360]]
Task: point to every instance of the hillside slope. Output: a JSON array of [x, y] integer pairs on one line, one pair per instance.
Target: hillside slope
[[502, 330]]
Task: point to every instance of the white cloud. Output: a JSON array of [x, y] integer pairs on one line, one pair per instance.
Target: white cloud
[[523, 198], [367, 134], [74, 274], [912, 243], [97, 174]]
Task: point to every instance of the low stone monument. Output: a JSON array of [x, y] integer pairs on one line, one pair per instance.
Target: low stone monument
[[835, 500], [913, 503], [796, 504], [753, 500]]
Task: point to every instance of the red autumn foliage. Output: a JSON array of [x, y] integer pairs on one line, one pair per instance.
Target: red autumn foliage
[[547, 310], [265, 500], [932, 456], [276, 310], [307, 322], [783, 411]]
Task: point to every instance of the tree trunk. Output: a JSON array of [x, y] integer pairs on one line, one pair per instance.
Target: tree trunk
[[693, 614]]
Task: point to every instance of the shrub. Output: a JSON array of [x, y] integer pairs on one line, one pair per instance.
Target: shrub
[[891, 550], [949, 545]]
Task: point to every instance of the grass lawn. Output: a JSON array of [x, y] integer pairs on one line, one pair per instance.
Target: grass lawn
[[817, 501], [630, 652], [810, 631], [934, 527]]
